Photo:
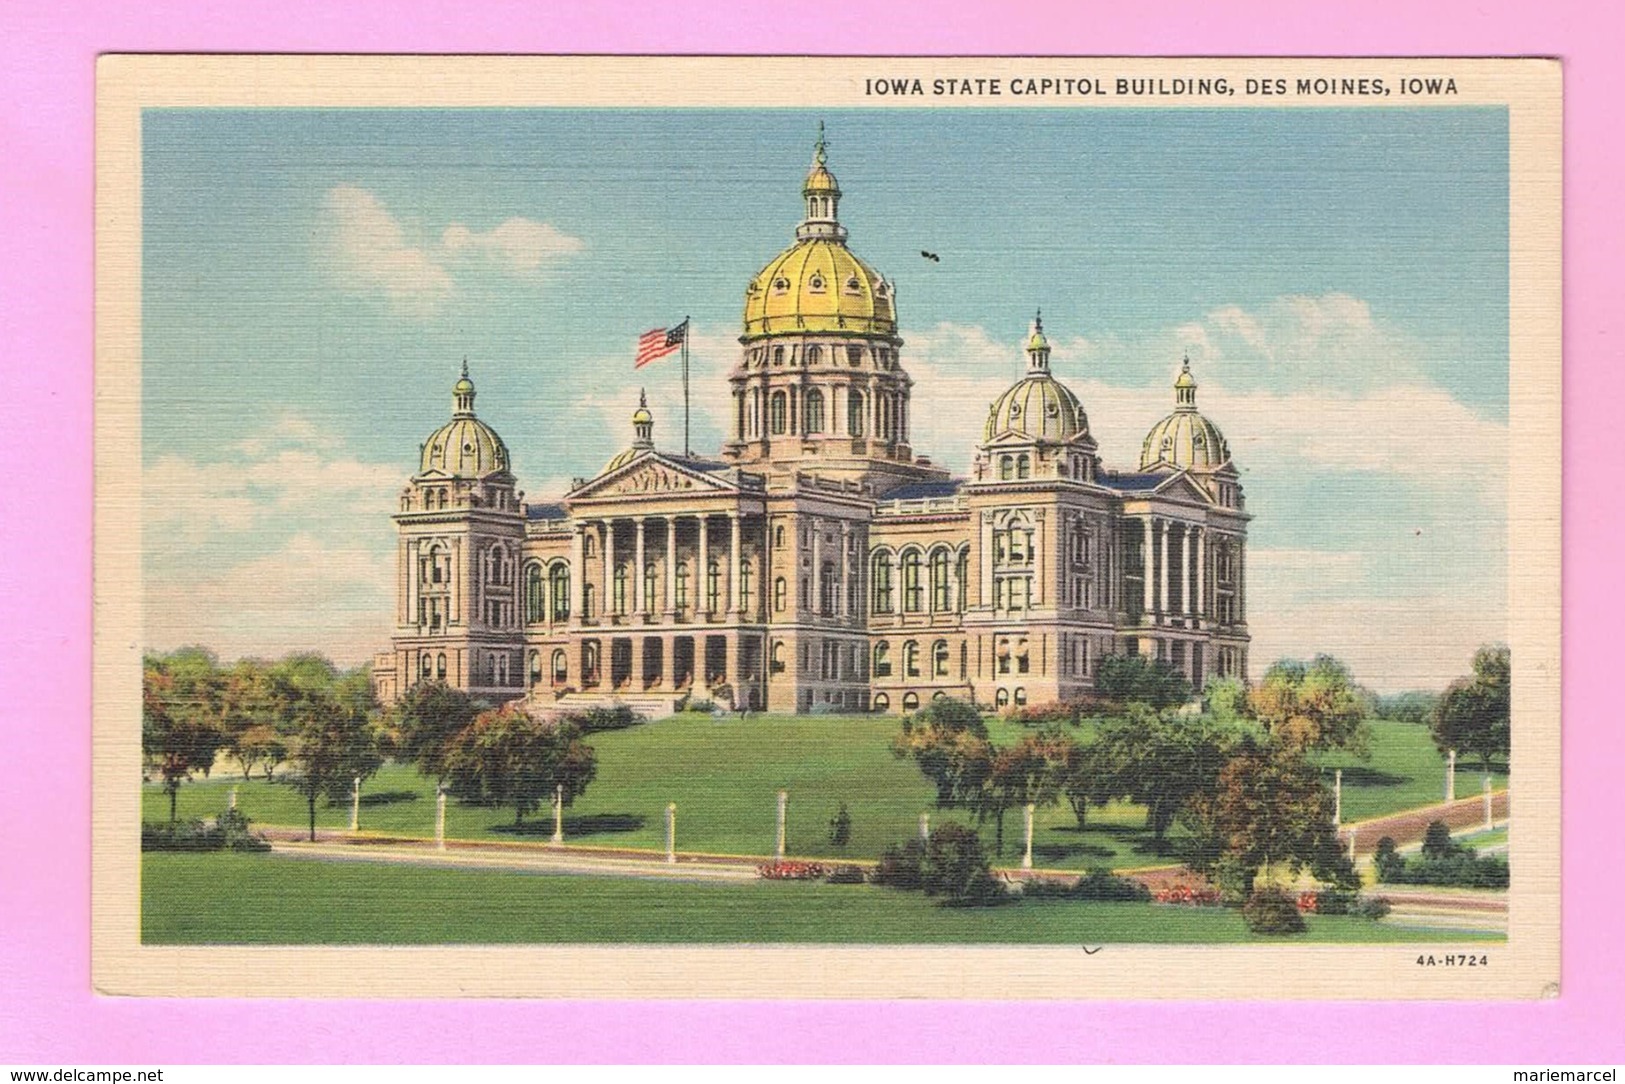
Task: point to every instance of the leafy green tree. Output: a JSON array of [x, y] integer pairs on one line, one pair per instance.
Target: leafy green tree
[[948, 741], [1084, 776], [424, 722], [249, 714], [180, 732], [1025, 772], [1132, 679], [260, 746], [336, 743], [1269, 811], [1160, 762], [1407, 707], [1226, 699], [954, 867], [1474, 716], [508, 757], [1312, 707]]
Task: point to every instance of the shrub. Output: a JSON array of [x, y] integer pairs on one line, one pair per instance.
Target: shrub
[[1102, 885], [899, 866], [1188, 895], [840, 827], [1235, 880], [1372, 907], [228, 833], [1045, 888], [1465, 870], [846, 875], [1272, 911], [702, 706], [592, 720], [1387, 860], [956, 869], [1437, 842]]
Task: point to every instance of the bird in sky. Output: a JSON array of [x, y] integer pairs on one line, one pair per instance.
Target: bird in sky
[[932, 256]]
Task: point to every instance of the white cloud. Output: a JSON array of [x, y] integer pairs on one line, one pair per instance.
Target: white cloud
[[371, 250], [281, 543]]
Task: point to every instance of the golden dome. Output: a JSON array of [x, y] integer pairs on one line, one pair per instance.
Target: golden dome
[[1184, 439], [817, 284], [622, 458], [643, 431], [464, 447]]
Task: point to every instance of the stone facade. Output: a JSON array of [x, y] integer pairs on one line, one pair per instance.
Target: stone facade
[[818, 563]]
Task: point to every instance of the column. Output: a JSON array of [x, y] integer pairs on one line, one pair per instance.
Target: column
[[456, 604], [1241, 582], [1027, 855], [698, 582], [413, 576], [1038, 559], [639, 603], [1148, 561], [1162, 571], [671, 568], [1185, 533], [1201, 573], [844, 601], [671, 833], [986, 548], [440, 818], [734, 556], [778, 850], [608, 590], [578, 573]]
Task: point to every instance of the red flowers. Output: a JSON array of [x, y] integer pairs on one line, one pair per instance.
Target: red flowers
[[790, 871], [1308, 902], [1188, 895]]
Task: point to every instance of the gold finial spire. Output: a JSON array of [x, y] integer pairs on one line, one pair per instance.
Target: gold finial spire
[[820, 148]]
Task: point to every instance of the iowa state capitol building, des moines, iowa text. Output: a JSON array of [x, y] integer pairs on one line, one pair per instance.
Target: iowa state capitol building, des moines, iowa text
[[817, 563]]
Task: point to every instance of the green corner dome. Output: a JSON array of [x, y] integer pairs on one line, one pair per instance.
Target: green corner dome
[[1038, 406], [1185, 439], [464, 447]]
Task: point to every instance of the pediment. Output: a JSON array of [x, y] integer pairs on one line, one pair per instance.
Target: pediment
[[650, 475], [1181, 486]]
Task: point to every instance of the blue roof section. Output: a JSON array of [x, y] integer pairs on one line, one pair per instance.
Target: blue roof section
[[915, 491], [544, 511], [1134, 483], [695, 463]]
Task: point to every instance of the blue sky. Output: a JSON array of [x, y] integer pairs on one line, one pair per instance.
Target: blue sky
[[312, 279]]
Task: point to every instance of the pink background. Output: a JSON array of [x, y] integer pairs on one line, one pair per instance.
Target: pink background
[[47, 1011]]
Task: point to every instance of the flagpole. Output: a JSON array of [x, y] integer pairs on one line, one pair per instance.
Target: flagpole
[[686, 452]]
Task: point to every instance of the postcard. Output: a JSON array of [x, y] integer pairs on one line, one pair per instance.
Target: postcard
[[773, 527]]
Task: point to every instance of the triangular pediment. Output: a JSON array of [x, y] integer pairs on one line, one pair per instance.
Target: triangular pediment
[[650, 474], [1181, 486]]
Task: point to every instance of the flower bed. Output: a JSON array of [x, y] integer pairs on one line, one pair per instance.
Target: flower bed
[[790, 871], [1187, 895]]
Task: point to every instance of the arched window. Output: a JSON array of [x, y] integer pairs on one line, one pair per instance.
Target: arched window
[[1021, 697], [911, 701], [561, 667], [744, 584], [940, 598], [428, 667], [1021, 655], [559, 580], [913, 592], [535, 668], [778, 537], [682, 585], [713, 585], [882, 661], [814, 354], [440, 666], [1024, 466], [587, 545], [775, 406], [939, 659], [880, 581], [911, 659], [778, 656], [1001, 699], [779, 594], [651, 583], [778, 355], [1006, 468], [854, 413], [881, 702], [589, 663], [829, 587], [854, 354], [815, 411], [620, 589], [535, 595]]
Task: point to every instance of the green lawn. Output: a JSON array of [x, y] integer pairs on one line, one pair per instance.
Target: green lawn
[[724, 775], [1405, 771], [268, 899]]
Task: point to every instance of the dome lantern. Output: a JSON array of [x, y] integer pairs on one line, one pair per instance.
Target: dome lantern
[[1185, 388], [462, 395], [823, 196], [643, 424], [1038, 346]]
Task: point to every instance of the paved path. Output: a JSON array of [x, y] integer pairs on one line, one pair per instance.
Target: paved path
[[539, 859], [1412, 824]]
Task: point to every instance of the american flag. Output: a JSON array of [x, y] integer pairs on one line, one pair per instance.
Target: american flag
[[656, 344]]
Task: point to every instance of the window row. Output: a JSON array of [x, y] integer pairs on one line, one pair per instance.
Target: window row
[[940, 660], [948, 580]]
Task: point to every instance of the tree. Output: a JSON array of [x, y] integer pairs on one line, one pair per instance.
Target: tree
[[1160, 762], [249, 714], [1137, 679], [1083, 776], [1026, 772], [260, 745], [426, 720], [955, 868], [337, 742], [948, 741], [508, 757], [1269, 810], [1226, 699], [179, 731], [1474, 715], [1312, 707]]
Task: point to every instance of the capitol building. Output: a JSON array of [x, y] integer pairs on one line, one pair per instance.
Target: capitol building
[[817, 563]]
